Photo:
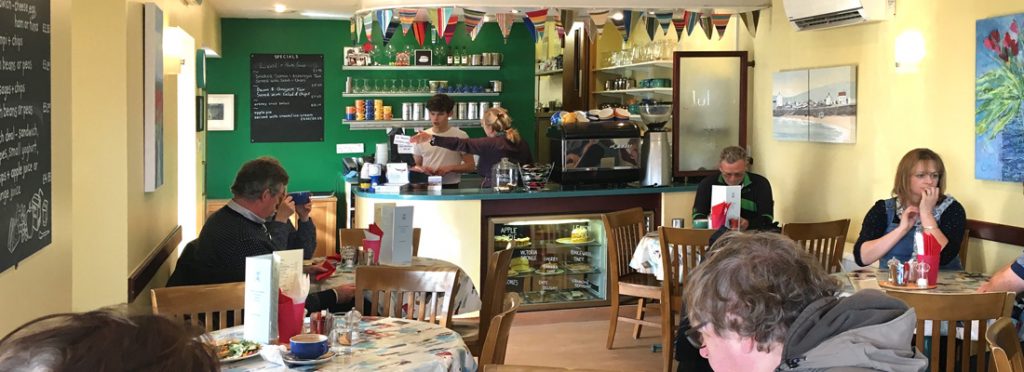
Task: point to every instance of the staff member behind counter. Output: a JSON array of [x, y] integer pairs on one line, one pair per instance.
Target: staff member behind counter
[[439, 161], [756, 203]]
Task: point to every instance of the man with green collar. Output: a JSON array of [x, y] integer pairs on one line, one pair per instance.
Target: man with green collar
[[756, 203]]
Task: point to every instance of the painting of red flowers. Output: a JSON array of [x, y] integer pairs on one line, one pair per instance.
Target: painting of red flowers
[[999, 99]]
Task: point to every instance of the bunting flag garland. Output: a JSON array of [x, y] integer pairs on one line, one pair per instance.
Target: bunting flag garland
[[721, 21], [392, 27], [406, 16], [750, 19], [473, 21], [368, 26], [419, 30], [705, 24], [384, 20], [664, 19], [691, 22], [449, 31], [599, 18], [538, 18], [358, 20], [530, 27], [505, 21]]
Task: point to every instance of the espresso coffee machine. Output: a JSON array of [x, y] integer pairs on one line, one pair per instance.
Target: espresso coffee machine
[[657, 149]]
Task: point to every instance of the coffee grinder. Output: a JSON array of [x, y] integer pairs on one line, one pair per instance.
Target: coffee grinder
[[657, 148]]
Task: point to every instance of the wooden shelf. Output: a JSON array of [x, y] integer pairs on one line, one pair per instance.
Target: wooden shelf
[[637, 92], [551, 72], [636, 66], [388, 124], [421, 68], [417, 94]]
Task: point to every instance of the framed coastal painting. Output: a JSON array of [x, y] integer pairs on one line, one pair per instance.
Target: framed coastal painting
[[815, 105], [220, 112], [999, 99]]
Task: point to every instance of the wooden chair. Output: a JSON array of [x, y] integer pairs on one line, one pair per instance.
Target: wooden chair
[[1006, 353], [964, 246], [497, 332], [492, 296], [402, 292], [954, 308], [200, 305], [354, 237], [623, 230], [681, 251], [824, 240]]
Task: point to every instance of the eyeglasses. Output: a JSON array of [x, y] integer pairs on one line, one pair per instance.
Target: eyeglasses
[[694, 337]]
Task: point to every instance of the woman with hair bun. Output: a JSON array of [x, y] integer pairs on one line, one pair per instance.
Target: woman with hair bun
[[502, 141]]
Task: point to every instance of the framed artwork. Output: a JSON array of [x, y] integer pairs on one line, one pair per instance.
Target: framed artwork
[[349, 55], [153, 87], [200, 113], [423, 57], [815, 105], [220, 111], [998, 99]]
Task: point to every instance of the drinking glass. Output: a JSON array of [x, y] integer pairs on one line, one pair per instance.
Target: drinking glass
[[391, 86], [424, 86]]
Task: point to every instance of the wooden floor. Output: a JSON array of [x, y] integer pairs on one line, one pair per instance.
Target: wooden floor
[[576, 339]]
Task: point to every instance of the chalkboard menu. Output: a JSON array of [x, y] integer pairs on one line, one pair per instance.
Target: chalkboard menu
[[287, 93], [25, 188]]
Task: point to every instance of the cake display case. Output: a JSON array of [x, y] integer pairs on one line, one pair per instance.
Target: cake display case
[[557, 261]]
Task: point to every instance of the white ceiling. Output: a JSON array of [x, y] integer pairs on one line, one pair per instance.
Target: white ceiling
[[345, 8]]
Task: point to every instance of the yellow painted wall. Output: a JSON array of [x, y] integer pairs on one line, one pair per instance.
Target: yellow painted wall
[[933, 108], [104, 224]]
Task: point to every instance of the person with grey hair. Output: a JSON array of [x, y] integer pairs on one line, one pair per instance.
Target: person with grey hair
[[760, 303], [756, 205]]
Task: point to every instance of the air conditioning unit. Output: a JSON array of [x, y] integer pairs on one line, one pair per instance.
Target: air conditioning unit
[[822, 14]]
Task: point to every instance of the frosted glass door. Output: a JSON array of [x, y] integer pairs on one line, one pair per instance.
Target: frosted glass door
[[710, 111]]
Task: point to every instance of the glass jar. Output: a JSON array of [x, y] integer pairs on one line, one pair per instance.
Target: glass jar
[[505, 176]]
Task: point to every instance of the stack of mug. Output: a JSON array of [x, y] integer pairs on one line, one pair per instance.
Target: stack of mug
[[360, 109]]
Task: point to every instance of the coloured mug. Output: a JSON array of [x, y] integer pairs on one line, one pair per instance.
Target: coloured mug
[[309, 345], [301, 197], [700, 223]]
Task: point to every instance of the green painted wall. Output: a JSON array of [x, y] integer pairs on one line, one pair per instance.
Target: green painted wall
[[315, 165]]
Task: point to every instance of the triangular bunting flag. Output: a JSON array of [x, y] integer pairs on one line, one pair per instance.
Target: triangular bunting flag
[[472, 19], [632, 19], [652, 26], [419, 30], [721, 21], [692, 18], [538, 18], [443, 15], [529, 27], [368, 26], [750, 19], [432, 15], [384, 20], [358, 20], [449, 30], [590, 29], [406, 16], [352, 31], [679, 22], [392, 27], [599, 18], [664, 19], [505, 21], [705, 24], [560, 23]]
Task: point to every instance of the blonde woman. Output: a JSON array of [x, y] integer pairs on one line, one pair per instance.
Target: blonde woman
[[502, 141]]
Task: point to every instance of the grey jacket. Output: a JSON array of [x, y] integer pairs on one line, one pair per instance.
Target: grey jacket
[[867, 331]]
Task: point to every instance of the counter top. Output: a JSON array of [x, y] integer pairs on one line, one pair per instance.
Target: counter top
[[552, 191]]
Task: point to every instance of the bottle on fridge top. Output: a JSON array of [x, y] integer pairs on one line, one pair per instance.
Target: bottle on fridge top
[[451, 57], [465, 57]]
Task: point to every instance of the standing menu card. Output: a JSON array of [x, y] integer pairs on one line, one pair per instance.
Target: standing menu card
[[261, 285], [396, 223], [725, 194]]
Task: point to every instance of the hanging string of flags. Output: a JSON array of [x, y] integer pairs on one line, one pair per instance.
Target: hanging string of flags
[[445, 19]]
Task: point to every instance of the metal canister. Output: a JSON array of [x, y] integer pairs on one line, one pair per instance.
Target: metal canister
[[460, 111], [496, 104], [495, 59], [484, 106], [348, 84], [496, 86], [473, 111], [475, 60], [417, 110], [406, 110], [487, 57]]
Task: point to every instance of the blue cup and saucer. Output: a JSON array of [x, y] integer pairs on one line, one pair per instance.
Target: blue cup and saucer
[[300, 197], [308, 349]]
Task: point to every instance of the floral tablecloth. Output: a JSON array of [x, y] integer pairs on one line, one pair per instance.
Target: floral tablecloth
[[384, 344], [466, 300]]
